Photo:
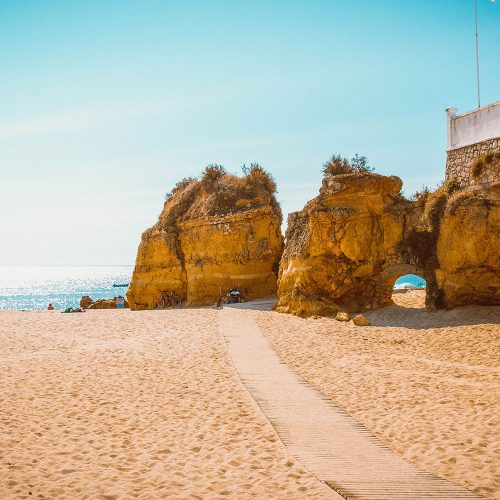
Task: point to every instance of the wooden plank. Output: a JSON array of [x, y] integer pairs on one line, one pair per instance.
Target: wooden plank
[[328, 441]]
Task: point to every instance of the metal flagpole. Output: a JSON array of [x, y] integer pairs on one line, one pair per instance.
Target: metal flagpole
[[477, 58], [477, 54]]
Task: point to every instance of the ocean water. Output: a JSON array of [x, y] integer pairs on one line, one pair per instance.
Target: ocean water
[[413, 279], [35, 287]]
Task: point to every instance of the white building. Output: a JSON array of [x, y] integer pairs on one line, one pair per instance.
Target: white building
[[470, 135]]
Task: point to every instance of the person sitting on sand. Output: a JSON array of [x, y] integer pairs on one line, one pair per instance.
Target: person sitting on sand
[[73, 310], [50, 307]]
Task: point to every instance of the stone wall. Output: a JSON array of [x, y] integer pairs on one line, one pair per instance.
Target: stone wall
[[458, 162]]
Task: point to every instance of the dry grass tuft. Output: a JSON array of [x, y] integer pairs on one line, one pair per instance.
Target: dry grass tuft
[[483, 162], [218, 192], [467, 199], [338, 165], [420, 197], [179, 186], [436, 204]]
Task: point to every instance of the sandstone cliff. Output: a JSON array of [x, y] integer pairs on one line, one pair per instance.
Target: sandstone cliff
[[468, 248], [342, 250], [213, 233]]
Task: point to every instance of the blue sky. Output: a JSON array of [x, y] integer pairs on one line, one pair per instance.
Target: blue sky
[[105, 104]]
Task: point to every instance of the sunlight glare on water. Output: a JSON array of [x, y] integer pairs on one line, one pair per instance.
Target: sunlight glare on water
[[34, 287]]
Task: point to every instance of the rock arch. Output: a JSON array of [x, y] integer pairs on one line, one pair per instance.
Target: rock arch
[[348, 245], [344, 246], [390, 274]]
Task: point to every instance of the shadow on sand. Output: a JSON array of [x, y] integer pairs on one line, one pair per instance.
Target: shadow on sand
[[421, 319], [416, 318]]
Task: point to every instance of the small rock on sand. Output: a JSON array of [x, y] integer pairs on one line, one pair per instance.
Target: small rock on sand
[[85, 302], [342, 316], [361, 320]]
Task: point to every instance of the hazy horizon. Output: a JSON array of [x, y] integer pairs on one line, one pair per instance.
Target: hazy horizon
[[105, 105]]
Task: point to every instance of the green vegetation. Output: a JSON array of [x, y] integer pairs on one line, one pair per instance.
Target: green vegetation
[[338, 165]]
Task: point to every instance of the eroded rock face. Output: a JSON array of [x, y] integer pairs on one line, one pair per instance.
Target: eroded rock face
[[347, 247], [223, 251], [158, 266], [341, 243], [213, 234], [468, 249]]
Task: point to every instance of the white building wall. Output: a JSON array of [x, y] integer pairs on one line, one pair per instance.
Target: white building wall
[[473, 127]]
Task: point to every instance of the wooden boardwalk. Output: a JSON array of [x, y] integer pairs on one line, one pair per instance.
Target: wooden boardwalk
[[330, 443]]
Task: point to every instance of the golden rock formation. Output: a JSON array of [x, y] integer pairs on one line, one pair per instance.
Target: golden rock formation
[[213, 233], [468, 248], [342, 250], [348, 245], [86, 302]]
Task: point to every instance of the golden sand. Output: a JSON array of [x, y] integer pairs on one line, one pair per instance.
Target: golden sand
[[121, 404], [117, 404], [425, 383]]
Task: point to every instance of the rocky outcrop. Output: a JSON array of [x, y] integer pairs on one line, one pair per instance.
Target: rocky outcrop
[[213, 233], [468, 248], [86, 302], [347, 247], [103, 304], [343, 249], [159, 267]]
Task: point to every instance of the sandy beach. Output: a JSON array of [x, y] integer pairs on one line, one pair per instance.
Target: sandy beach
[[191, 194], [116, 404], [121, 404], [427, 384]]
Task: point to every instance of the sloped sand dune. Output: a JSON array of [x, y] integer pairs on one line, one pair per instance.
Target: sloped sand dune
[[426, 383], [116, 404]]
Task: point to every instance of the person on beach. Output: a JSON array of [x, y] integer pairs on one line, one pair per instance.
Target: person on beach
[[120, 302], [50, 307]]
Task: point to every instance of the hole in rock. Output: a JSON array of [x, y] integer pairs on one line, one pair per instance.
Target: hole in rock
[[409, 291]]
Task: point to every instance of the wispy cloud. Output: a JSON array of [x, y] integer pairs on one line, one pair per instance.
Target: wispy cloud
[[71, 120]]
